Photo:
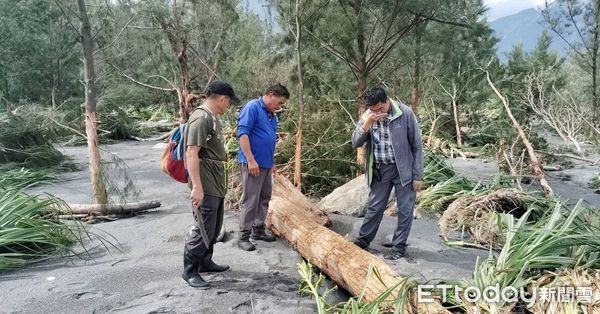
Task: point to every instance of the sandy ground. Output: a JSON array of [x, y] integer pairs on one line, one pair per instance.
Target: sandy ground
[[142, 274], [570, 184]]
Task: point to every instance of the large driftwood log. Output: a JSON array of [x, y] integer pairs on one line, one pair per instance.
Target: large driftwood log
[[289, 196], [293, 217], [112, 209]]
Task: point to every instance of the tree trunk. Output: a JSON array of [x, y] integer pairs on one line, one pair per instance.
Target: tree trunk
[[288, 196], [535, 163], [112, 209], [185, 103], [417, 68], [594, 91], [179, 46], [53, 95], [362, 87], [340, 259], [595, 48], [98, 185], [363, 71], [456, 123], [298, 152]]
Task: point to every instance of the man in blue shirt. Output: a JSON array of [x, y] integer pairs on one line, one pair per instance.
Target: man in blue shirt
[[257, 127]]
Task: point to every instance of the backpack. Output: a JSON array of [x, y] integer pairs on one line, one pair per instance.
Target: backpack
[[172, 160]]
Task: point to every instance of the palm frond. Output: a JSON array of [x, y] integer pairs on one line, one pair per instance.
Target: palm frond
[[30, 230]]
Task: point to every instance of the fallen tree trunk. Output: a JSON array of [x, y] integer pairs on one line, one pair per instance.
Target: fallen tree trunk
[[570, 156], [344, 262], [112, 209], [288, 195], [535, 163]]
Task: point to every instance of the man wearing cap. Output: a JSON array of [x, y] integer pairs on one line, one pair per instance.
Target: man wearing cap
[[257, 127], [205, 156], [394, 159]]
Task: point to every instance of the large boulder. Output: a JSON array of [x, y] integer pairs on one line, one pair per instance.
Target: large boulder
[[349, 199]]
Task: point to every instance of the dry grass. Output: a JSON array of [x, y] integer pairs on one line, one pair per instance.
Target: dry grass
[[477, 215], [575, 279]]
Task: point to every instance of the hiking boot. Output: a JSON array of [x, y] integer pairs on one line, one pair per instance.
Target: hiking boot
[[263, 236], [360, 244], [395, 254], [212, 267], [246, 245], [244, 241]]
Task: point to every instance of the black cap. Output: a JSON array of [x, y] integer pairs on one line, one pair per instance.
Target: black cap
[[222, 88]]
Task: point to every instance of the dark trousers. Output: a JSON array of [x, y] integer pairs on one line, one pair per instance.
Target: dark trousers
[[381, 187], [211, 212], [255, 199]]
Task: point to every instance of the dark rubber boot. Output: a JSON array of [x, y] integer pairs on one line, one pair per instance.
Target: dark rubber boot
[[190, 273]]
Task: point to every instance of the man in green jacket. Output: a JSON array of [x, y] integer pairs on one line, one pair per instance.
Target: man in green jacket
[[394, 159]]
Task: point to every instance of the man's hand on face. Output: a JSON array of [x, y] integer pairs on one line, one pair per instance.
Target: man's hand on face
[[375, 116]]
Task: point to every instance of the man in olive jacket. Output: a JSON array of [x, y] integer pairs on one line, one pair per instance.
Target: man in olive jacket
[[394, 158]]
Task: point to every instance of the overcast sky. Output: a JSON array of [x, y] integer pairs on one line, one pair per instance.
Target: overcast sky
[[500, 8]]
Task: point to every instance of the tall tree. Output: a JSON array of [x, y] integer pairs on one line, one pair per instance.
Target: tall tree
[[195, 44], [416, 73], [363, 33], [459, 75], [298, 151], [577, 23], [28, 28], [296, 19], [89, 74]]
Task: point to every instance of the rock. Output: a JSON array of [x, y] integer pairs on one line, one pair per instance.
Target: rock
[[349, 199]]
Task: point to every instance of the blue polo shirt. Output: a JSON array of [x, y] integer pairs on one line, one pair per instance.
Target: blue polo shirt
[[255, 121]]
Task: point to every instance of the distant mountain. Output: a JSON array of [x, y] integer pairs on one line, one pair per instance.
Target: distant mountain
[[524, 27]]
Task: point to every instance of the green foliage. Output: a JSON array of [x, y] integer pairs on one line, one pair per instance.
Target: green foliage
[[595, 182], [39, 54], [437, 197], [23, 178], [442, 185], [561, 238], [311, 284], [327, 156], [436, 169], [120, 186], [114, 122], [156, 113], [26, 145], [30, 230], [565, 16]]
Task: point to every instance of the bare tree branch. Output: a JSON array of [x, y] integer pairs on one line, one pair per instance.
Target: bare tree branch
[[118, 35], [535, 163], [380, 55], [335, 52], [147, 85], [67, 17]]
